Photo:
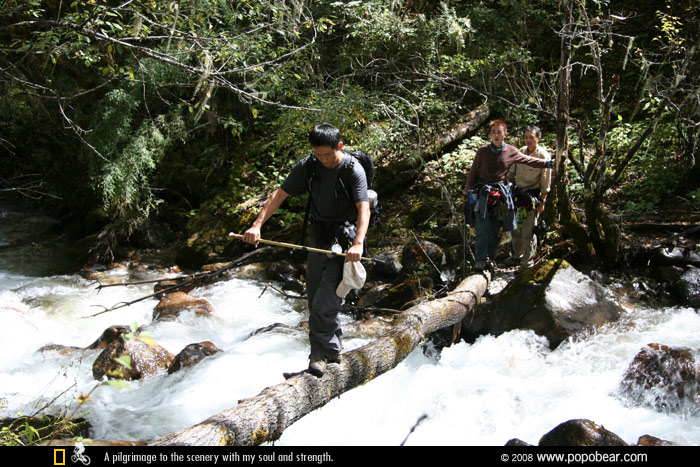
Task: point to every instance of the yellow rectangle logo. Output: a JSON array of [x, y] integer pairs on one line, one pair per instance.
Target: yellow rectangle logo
[[59, 457]]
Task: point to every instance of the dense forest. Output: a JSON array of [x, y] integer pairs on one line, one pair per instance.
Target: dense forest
[[150, 124]]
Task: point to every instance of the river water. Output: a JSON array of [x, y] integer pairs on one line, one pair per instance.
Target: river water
[[485, 393]]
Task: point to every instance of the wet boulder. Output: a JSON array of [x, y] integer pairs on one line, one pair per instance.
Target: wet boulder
[[298, 331], [648, 440], [193, 354], [286, 274], [424, 258], [370, 327], [663, 377], [134, 356], [372, 293], [674, 257], [109, 335], [518, 443], [172, 286], [553, 299], [171, 305], [385, 267], [687, 287], [213, 273], [581, 432], [65, 350], [396, 297]]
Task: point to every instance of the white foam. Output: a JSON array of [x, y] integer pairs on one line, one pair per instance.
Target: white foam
[[510, 386]]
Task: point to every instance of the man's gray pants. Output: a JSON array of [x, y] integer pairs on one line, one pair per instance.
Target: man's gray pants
[[323, 275]]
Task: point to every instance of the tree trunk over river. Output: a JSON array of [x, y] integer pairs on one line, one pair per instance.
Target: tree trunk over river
[[472, 121], [265, 417], [402, 174]]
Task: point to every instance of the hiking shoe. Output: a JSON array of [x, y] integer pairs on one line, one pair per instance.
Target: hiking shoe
[[491, 266], [317, 365], [527, 265], [335, 358], [514, 261]]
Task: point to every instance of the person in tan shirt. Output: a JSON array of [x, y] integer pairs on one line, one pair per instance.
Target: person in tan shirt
[[491, 165], [533, 183]]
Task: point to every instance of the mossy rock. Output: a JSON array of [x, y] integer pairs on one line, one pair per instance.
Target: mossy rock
[[421, 212], [554, 300], [687, 287], [208, 230]]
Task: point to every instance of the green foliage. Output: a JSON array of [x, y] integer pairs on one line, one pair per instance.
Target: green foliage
[[125, 151], [18, 433], [694, 195], [452, 168], [200, 105], [656, 173]]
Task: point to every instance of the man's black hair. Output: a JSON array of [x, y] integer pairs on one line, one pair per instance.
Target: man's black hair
[[325, 135], [534, 128]]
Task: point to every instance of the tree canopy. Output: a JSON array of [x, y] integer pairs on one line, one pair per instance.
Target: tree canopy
[[123, 113]]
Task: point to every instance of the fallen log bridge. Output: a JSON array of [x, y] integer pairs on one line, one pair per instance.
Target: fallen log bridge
[[265, 417]]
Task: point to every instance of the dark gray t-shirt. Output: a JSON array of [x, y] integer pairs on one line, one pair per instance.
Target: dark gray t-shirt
[[329, 202]]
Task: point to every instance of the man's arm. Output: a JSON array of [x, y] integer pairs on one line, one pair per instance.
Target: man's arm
[[252, 235], [357, 248], [472, 177]]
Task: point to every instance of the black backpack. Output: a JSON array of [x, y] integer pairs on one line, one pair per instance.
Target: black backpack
[[344, 180]]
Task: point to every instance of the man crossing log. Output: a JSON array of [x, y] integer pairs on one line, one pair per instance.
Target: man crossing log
[[340, 218], [264, 417]]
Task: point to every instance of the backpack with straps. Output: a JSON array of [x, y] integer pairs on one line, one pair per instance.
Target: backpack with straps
[[345, 182]]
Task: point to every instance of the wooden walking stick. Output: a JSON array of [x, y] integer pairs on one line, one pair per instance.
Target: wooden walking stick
[[297, 247]]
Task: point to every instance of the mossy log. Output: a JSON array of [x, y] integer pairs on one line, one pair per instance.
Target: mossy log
[[470, 123], [265, 417], [401, 174]]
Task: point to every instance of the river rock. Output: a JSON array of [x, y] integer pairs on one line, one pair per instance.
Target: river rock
[[663, 377], [674, 257], [298, 331], [147, 358], [193, 354], [287, 274], [215, 272], [109, 335], [518, 443], [687, 287], [398, 296], [65, 350], [170, 306], [423, 257], [370, 327], [581, 432], [385, 267], [172, 286], [372, 293], [553, 299], [648, 440]]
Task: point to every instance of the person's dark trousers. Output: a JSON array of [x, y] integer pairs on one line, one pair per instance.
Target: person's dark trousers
[[486, 241], [323, 274]]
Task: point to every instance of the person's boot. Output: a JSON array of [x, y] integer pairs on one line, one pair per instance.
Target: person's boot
[[491, 266], [317, 365], [335, 358]]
